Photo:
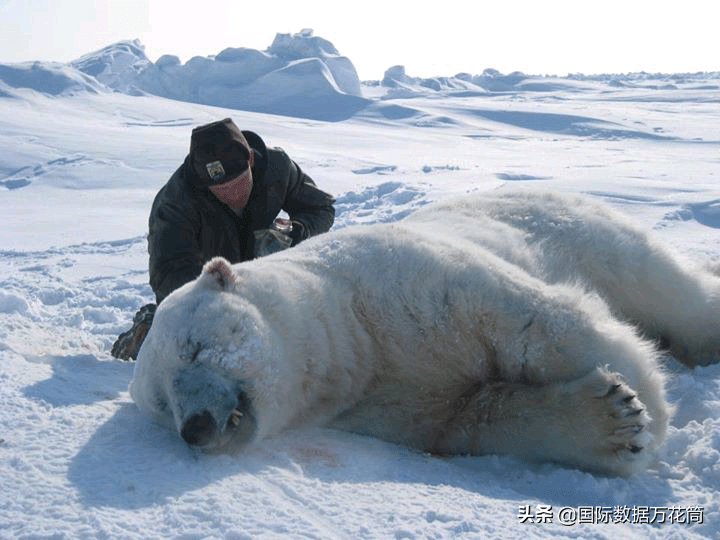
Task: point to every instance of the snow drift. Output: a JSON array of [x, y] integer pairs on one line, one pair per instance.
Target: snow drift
[[298, 75], [50, 78]]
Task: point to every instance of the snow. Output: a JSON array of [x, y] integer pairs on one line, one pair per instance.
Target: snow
[[298, 75], [79, 167], [48, 77]]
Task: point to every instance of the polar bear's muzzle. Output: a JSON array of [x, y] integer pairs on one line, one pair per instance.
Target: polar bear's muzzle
[[211, 410], [204, 430]]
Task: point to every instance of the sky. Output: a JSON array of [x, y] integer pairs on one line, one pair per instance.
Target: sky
[[549, 37]]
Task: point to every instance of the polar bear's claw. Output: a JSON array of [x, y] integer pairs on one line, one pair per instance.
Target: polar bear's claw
[[626, 420]]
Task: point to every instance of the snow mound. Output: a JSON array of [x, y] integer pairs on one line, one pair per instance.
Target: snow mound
[[402, 85], [383, 203], [298, 75], [704, 212], [50, 78], [116, 65], [305, 45], [11, 303], [490, 80], [6, 91]]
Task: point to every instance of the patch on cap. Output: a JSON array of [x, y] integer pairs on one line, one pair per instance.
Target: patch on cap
[[215, 170]]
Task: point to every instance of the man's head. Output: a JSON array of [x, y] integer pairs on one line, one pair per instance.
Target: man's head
[[222, 160]]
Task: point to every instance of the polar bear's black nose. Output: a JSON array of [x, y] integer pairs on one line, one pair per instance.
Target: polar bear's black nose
[[199, 429]]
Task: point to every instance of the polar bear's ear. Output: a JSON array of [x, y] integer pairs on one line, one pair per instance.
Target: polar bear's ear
[[218, 274]]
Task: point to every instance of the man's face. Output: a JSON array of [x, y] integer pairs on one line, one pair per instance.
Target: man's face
[[236, 191]]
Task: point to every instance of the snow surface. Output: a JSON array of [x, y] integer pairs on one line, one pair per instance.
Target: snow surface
[[79, 167]]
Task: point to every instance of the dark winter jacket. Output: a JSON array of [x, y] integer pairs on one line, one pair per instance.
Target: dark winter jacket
[[188, 225]]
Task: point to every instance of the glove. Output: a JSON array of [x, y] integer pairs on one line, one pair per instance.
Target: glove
[[269, 241], [128, 343], [298, 232]]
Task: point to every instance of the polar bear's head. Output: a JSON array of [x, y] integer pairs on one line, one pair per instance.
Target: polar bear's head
[[205, 357]]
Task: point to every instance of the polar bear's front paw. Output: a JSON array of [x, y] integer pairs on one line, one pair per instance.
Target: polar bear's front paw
[[626, 419]]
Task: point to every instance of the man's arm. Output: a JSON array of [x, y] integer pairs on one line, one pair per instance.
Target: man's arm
[[173, 245], [308, 206]]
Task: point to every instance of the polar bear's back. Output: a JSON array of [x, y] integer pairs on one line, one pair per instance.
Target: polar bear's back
[[442, 287], [560, 238], [453, 280]]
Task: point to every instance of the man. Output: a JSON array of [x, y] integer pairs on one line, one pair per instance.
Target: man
[[224, 200]]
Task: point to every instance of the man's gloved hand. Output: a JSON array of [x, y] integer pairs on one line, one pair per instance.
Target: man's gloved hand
[[298, 232], [128, 343], [276, 238], [269, 241]]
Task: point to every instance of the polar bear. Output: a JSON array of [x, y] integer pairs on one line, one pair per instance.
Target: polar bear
[[521, 322]]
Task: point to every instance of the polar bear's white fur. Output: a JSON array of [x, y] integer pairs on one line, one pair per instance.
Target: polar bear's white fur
[[521, 323]]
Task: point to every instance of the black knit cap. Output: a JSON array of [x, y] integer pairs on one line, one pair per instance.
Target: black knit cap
[[218, 152]]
